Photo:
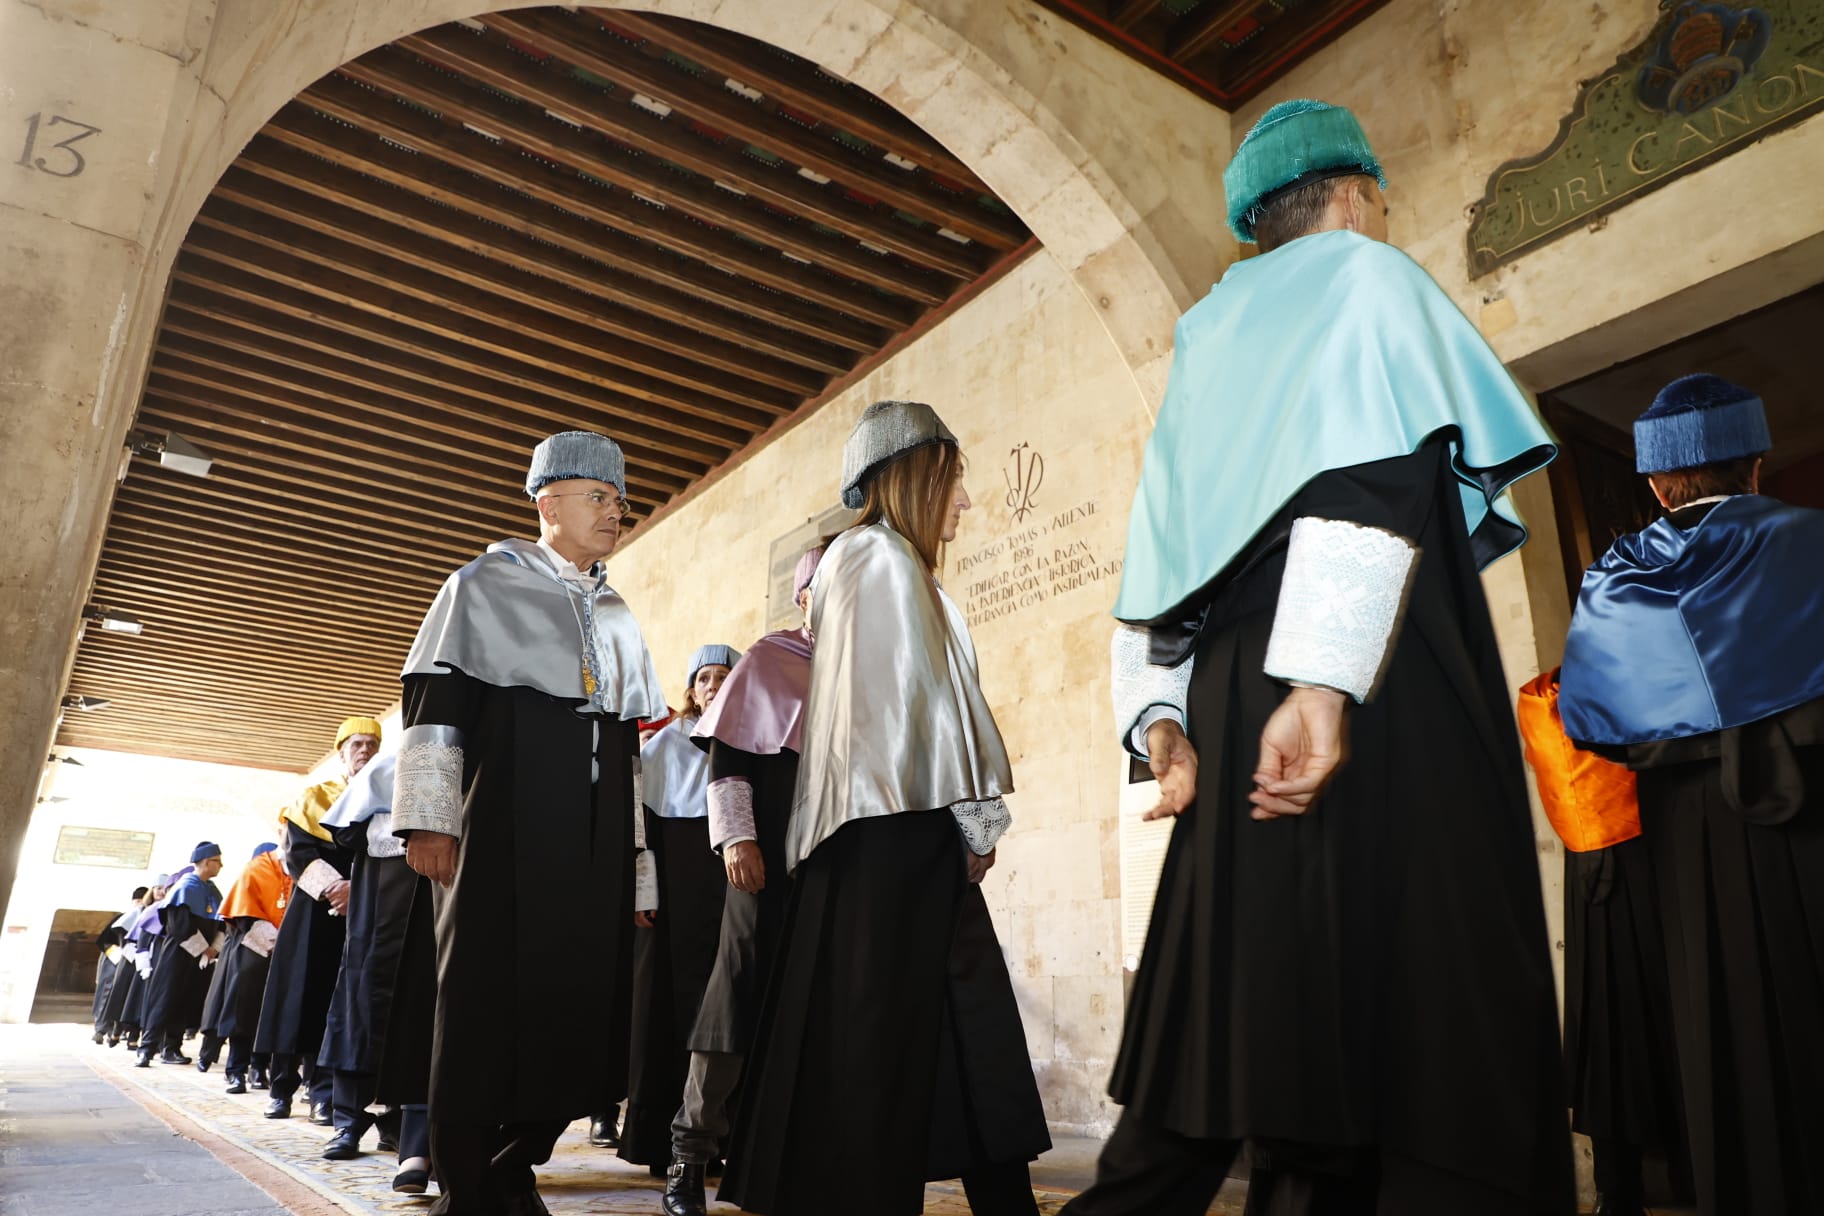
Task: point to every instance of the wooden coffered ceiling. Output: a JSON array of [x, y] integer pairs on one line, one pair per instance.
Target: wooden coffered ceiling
[[440, 253], [1226, 50]]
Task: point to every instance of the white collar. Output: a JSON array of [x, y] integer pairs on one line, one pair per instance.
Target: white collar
[[1704, 502], [567, 569]]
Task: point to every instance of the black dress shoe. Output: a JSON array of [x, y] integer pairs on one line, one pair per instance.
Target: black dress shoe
[[113, 1040], [144, 1061], [259, 1080], [98, 1037], [321, 1114], [203, 1065], [279, 1108], [602, 1131], [237, 1084], [172, 1055], [412, 1182], [345, 1145], [684, 1190]]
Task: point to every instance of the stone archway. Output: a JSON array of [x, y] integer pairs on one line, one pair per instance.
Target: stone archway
[[1107, 165]]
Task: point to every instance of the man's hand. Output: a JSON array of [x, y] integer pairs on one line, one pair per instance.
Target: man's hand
[[1300, 750], [210, 954], [645, 920], [433, 855], [979, 863], [746, 868], [336, 895], [1174, 764]]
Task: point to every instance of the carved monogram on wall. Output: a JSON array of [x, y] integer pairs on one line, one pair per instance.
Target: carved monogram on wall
[[1709, 79]]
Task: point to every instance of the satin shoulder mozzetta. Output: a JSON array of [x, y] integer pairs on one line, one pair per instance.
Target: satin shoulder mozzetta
[[895, 719], [674, 772], [760, 709], [370, 793], [506, 619], [1681, 632], [1329, 352]]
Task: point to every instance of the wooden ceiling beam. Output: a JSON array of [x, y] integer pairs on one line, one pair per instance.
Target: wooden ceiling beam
[[348, 477], [615, 115], [390, 73], [1126, 14], [587, 46], [1199, 30], [177, 748], [486, 289], [313, 180], [486, 457], [796, 83], [320, 355], [180, 511], [286, 642], [1246, 69], [217, 654], [274, 411], [510, 333], [179, 679], [138, 580], [342, 121], [365, 333], [139, 549]]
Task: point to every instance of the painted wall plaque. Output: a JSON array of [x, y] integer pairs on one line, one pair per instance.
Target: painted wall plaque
[[1710, 79]]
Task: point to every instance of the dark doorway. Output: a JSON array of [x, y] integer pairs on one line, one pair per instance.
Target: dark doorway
[[1773, 351], [66, 981]]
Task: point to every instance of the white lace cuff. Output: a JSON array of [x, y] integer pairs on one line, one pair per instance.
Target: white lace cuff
[[427, 786], [639, 804], [261, 938], [380, 839], [317, 877], [982, 823], [731, 812], [1339, 604], [645, 881], [1141, 686]]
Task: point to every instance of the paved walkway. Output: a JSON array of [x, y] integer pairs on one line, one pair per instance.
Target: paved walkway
[[83, 1133]]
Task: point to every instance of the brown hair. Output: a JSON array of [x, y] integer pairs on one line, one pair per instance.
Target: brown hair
[[691, 708], [912, 494], [1682, 487], [1298, 212]]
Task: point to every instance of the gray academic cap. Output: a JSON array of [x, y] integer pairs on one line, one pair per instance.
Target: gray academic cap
[[887, 431], [713, 655], [569, 455]]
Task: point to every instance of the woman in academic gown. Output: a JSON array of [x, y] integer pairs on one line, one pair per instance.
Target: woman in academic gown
[[890, 1050], [677, 919], [252, 910]]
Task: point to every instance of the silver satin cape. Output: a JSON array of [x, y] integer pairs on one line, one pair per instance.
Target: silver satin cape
[[895, 720], [508, 620]]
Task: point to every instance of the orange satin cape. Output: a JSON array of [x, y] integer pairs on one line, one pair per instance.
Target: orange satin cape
[[263, 889], [1591, 801]]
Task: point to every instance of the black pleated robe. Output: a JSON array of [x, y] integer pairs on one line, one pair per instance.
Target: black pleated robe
[[1372, 976], [671, 966], [238, 986], [1734, 824], [301, 974], [179, 984], [749, 934], [382, 890], [525, 1029], [890, 1050]]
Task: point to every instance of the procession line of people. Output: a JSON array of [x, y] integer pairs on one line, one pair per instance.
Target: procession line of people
[[760, 923]]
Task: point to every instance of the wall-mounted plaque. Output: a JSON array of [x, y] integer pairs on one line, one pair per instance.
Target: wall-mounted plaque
[[104, 847], [782, 560], [1710, 79]]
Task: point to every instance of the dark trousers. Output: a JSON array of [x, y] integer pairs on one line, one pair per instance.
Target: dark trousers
[[1001, 1190], [352, 1093], [487, 1170], [414, 1132], [289, 1072], [241, 1057], [1617, 1165]]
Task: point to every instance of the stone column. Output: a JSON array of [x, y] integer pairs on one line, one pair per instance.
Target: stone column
[[95, 95]]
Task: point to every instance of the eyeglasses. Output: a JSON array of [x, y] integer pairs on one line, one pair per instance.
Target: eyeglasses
[[600, 500]]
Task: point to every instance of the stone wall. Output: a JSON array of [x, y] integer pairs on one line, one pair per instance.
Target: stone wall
[[1048, 416]]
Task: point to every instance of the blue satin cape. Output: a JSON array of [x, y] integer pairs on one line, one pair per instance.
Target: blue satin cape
[[1681, 632], [1331, 351]]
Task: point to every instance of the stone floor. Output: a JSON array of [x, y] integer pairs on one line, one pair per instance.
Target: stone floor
[[82, 1133]]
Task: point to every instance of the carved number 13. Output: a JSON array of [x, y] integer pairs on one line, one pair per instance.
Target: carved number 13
[[76, 163]]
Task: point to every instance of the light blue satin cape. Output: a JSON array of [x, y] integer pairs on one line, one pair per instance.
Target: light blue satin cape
[[1331, 351], [1682, 632]]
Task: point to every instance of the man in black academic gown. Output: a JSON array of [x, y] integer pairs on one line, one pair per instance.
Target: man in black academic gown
[[252, 910], [111, 941], [517, 795], [1696, 657], [1347, 971], [192, 929], [308, 955]]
